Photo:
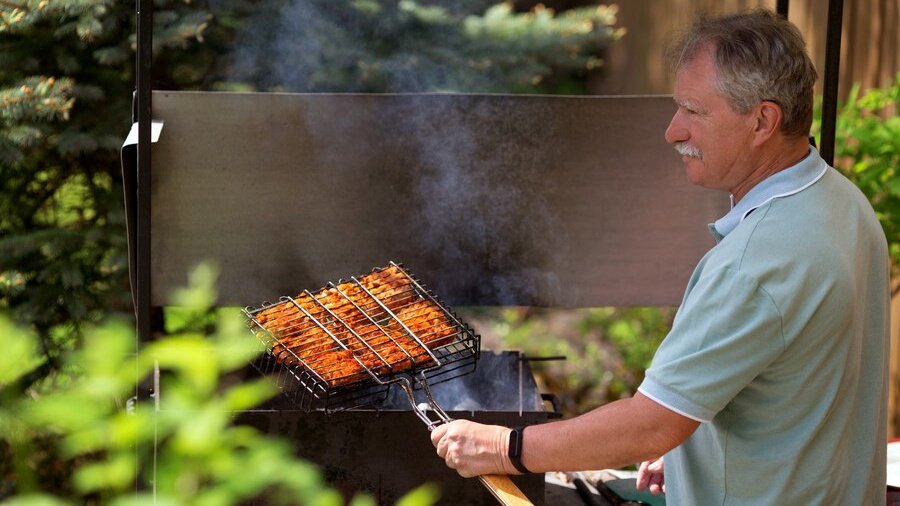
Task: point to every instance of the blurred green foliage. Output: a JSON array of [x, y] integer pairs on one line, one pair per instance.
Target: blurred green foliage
[[606, 349], [867, 140], [76, 438]]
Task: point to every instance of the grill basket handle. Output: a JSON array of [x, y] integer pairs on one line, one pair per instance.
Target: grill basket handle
[[504, 490]]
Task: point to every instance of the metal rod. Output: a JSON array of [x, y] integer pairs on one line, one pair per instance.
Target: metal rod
[[143, 67], [782, 8], [521, 381], [395, 317], [543, 359], [271, 345], [412, 361], [156, 402], [423, 381], [832, 78], [348, 327], [428, 294], [408, 390], [342, 345]]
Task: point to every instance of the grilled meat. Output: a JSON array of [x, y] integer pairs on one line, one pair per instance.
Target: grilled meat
[[340, 332]]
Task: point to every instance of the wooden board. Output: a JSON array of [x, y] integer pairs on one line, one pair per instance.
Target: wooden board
[[504, 490]]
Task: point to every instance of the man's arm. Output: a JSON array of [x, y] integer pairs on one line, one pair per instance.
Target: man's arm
[[617, 434]]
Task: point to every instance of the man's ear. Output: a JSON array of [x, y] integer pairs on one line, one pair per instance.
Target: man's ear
[[768, 117]]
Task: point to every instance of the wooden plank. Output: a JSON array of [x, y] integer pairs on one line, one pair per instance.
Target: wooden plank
[[514, 200], [504, 490]]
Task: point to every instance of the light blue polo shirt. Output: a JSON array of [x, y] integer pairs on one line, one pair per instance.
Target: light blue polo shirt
[[780, 349]]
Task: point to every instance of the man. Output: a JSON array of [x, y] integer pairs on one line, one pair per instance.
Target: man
[[771, 387]]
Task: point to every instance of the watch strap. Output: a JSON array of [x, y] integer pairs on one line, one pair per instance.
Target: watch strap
[[515, 449]]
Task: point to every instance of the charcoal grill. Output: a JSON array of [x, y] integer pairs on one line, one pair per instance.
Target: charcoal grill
[[382, 450], [344, 346]]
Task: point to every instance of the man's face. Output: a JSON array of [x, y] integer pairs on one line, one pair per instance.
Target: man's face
[[714, 141]]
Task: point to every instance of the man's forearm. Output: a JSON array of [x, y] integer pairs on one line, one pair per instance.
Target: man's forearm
[[617, 434]]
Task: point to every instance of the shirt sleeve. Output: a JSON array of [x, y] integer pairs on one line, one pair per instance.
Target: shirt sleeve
[[726, 332]]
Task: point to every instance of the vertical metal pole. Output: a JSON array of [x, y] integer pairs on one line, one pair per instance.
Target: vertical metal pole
[[143, 107], [832, 74], [782, 8], [143, 63]]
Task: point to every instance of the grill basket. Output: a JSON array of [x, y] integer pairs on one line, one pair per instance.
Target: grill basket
[[344, 345]]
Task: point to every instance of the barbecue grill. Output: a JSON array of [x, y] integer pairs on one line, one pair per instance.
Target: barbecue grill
[[344, 346], [384, 451]]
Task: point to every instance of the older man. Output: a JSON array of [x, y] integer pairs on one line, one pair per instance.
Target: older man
[[771, 387]]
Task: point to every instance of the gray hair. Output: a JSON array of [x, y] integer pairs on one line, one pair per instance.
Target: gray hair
[[759, 56]]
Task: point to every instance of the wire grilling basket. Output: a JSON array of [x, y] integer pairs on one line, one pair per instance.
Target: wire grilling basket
[[345, 345], [342, 346]]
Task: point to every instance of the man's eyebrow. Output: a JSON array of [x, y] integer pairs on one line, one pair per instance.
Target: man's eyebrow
[[687, 104]]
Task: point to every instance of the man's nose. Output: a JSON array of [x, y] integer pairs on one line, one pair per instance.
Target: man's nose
[[676, 131]]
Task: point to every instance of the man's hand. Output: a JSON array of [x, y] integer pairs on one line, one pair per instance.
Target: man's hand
[[651, 476], [473, 449]]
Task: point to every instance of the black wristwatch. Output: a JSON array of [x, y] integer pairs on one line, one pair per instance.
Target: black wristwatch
[[515, 449]]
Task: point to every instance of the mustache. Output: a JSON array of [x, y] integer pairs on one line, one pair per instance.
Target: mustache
[[687, 150]]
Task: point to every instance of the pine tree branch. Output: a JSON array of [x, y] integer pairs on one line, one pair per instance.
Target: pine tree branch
[[14, 5]]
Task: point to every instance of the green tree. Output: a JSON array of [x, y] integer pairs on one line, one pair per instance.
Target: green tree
[[868, 152], [408, 46], [66, 81]]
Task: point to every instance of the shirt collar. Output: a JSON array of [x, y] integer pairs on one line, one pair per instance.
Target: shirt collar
[[789, 181]]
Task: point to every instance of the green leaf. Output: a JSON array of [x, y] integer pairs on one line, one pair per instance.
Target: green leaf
[[200, 292], [20, 354], [55, 412], [423, 495], [35, 500], [249, 395], [115, 473], [145, 499]]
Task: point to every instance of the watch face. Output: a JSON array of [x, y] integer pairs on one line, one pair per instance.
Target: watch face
[[515, 442]]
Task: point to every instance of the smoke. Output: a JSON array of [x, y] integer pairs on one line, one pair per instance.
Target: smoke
[[482, 182], [482, 172], [493, 386]]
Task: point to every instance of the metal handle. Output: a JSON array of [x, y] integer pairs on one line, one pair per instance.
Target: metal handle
[[443, 417], [501, 487]]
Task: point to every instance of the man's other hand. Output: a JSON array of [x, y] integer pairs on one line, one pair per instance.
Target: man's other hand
[[651, 476]]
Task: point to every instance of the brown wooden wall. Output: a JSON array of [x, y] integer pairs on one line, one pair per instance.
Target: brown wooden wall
[[870, 47]]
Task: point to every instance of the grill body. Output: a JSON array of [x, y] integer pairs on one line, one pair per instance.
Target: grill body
[[387, 452]]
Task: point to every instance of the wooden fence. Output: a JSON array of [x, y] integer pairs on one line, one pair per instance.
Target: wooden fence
[[870, 47]]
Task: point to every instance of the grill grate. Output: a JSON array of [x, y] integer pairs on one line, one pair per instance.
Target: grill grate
[[344, 345]]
